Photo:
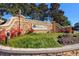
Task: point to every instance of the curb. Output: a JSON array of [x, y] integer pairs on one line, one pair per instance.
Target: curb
[[38, 50]]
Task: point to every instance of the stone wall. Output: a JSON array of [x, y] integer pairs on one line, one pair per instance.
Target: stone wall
[[14, 23], [69, 50], [26, 24], [66, 53]]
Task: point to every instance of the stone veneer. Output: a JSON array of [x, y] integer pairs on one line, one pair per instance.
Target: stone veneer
[[69, 50], [14, 23], [26, 24]]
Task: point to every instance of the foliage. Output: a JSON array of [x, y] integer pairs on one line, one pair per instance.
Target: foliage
[[58, 15], [76, 26], [38, 12], [33, 40]]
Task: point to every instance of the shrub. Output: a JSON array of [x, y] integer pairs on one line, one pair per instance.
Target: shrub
[[40, 40]]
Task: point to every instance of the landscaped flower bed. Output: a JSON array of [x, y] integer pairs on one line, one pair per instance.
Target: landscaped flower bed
[[33, 40], [68, 39]]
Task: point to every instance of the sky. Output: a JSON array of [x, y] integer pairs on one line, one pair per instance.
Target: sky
[[71, 10]]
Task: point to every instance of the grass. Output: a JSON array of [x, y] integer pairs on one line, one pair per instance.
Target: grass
[[35, 40]]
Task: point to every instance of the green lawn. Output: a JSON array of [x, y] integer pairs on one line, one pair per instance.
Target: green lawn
[[33, 40]]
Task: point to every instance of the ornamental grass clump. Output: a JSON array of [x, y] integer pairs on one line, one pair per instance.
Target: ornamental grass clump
[[35, 40]]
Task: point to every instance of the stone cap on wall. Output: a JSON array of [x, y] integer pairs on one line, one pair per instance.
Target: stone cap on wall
[[38, 50]]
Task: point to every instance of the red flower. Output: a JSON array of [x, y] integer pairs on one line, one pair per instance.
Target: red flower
[[14, 32], [30, 30], [3, 35]]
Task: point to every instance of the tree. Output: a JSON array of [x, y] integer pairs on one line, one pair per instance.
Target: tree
[[2, 11], [34, 11], [76, 26], [43, 11], [58, 15], [40, 12]]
